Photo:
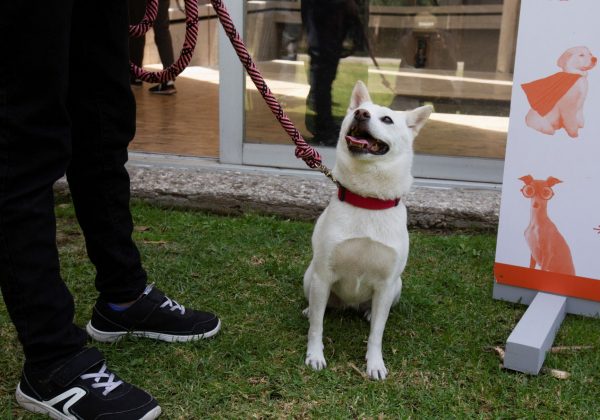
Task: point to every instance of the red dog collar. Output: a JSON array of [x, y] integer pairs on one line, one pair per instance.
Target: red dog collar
[[369, 203]]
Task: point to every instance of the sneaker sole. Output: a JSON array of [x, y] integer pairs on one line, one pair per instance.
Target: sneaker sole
[[35, 406], [112, 337], [164, 92]]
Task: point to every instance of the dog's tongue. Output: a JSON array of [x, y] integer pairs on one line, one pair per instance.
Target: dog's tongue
[[357, 142]]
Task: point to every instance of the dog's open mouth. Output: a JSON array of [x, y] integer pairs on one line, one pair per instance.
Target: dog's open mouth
[[360, 141]]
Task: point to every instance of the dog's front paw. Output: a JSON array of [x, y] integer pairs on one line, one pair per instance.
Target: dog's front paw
[[376, 369], [315, 360], [306, 311]]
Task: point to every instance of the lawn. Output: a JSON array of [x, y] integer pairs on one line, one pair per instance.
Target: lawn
[[249, 270]]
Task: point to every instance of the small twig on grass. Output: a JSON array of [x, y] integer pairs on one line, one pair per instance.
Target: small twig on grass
[[565, 349], [360, 372], [155, 242], [555, 373], [500, 352]]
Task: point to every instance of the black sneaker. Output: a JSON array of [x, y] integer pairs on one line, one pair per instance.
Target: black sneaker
[[167, 88], [82, 388], [135, 82], [153, 315]]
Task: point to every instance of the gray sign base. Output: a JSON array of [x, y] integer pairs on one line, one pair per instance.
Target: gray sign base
[[532, 338]]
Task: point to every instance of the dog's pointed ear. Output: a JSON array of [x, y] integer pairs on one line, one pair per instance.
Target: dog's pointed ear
[[360, 94], [551, 181], [417, 118], [562, 60], [527, 179]]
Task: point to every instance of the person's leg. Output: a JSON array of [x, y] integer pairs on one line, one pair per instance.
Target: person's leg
[[324, 24], [162, 34], [307, 11], [103, 124], [164, 44], [137, 9], [103, 121], [35, 147], [61, 377]]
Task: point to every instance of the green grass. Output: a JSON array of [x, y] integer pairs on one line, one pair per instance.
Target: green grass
[[249, 270]]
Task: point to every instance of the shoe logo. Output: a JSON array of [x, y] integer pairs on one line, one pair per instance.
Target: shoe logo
[[69, 398]]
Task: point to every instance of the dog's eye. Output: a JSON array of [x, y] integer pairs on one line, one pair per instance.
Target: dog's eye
[[387, 120]]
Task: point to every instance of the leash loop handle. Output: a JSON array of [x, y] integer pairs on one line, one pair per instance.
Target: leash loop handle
[[136, 31], [187, 51]]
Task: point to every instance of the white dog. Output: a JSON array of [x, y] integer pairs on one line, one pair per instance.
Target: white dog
[[360, 242], [557, 101]]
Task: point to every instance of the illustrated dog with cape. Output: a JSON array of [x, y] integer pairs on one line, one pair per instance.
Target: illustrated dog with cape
[[557, 100]]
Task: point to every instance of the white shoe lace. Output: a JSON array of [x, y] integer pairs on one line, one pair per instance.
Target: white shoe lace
[[168, 302], [173, 305], [110, 383]]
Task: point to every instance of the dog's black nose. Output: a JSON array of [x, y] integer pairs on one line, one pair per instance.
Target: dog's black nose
[[362, 115]]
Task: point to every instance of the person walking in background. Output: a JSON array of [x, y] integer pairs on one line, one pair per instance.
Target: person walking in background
[[162, 39], [328, 23]]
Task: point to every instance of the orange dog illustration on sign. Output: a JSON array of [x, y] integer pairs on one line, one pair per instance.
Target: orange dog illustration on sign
[[557, 101], [549, 249]]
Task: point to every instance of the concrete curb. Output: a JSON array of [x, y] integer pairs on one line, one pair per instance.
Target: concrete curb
[[304, 198]]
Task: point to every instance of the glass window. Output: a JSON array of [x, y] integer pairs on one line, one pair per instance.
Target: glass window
[[456, 55], [185, 123]]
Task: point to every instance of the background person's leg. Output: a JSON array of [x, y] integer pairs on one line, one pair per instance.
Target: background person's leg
[[137, 9], [35, 147], [162, 34], [324, 23], [164, 44], [103, 124]]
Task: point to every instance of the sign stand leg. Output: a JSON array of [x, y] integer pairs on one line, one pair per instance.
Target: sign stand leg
[[533, 336]]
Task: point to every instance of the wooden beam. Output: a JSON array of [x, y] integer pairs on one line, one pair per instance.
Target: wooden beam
[[508, 36]]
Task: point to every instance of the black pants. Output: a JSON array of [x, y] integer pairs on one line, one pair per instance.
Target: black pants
[[327, 24], [65, 107], [324, 22], [162, 34]]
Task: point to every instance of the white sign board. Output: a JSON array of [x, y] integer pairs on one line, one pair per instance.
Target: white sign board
[[549, 230]]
